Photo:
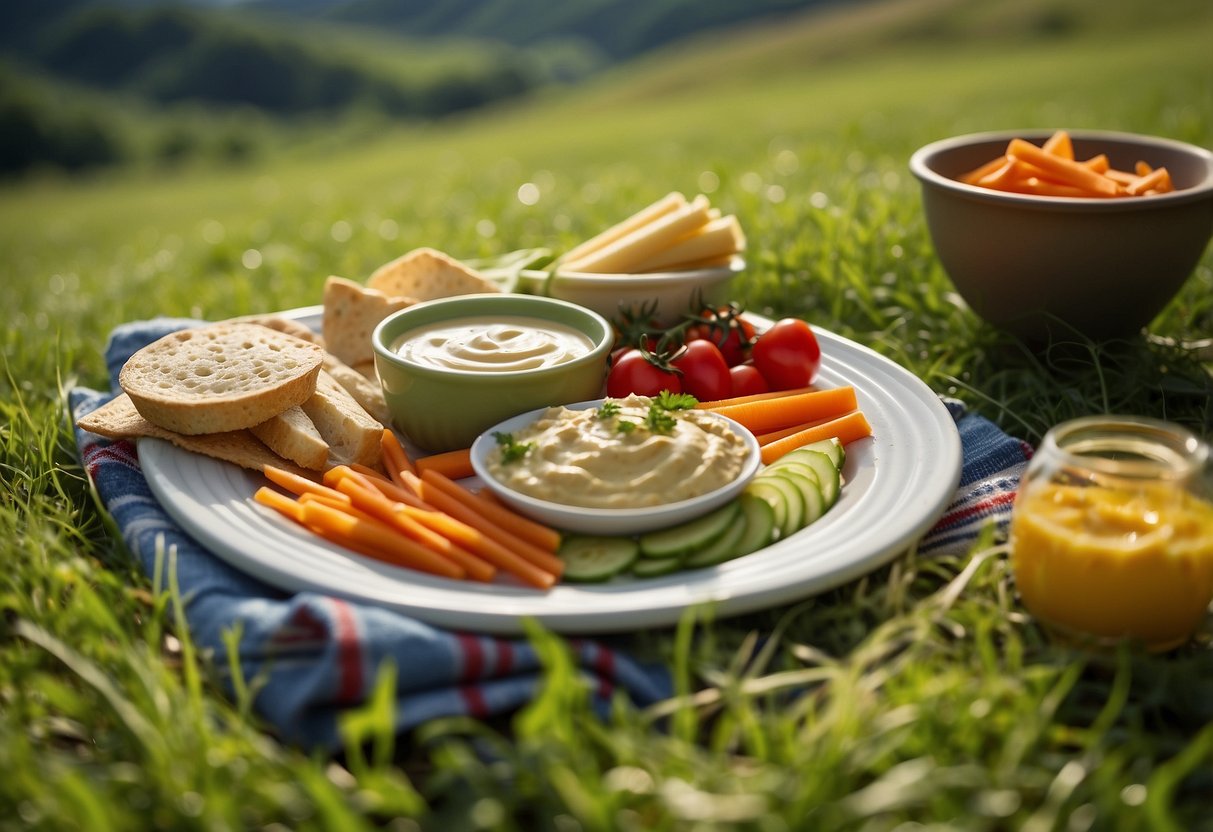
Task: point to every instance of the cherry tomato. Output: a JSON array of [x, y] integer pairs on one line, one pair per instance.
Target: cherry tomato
[[705, 375], [787, 354], [747, 381], [731, 334], [634, 373]]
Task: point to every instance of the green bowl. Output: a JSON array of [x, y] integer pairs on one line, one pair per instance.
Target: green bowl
[[442, 409]]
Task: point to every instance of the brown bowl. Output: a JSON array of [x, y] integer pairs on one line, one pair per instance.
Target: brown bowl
[[1045, 267]]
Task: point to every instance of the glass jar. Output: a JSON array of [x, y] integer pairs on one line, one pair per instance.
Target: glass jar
[[1112, 532]]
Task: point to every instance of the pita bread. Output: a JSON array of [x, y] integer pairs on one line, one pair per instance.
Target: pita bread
[[428, 274], [353, 436], [120, 420], [279, 324], [365, 389], [351, 313], [292, 435]]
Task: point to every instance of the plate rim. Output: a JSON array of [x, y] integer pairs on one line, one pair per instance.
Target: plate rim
[[732, 588]]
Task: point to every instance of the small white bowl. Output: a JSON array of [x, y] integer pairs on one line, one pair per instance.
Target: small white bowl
[[669, 293], [609, 521]]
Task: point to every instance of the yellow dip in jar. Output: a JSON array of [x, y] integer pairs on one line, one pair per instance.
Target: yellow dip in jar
[[1112, 532]]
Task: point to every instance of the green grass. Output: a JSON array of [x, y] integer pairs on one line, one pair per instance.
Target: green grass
[[922, 693]]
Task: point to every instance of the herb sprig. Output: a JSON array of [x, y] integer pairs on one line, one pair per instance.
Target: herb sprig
[[511, 449]]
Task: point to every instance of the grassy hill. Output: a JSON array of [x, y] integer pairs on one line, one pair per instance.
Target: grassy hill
[[922, 694]]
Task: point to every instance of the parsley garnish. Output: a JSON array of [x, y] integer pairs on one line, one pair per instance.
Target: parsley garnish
[[659, 420], [608, 409], [511, 451], [676, 401], [624, 426]]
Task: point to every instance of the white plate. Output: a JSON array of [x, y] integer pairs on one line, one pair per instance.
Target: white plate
[[898, 482], [619, 521]]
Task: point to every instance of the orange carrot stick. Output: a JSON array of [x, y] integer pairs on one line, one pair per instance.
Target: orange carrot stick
[[394, 457], [846, 429], [1099, 164], [765, 416], [397, 494], [392, 513], [454, 464], [1121, 177], [368, 471], [279, 502], [753, 397], [1065, 171], [510, 553], [775, 435], [1141, 168], [345, 506], [542, 536], [1157, 179], [297, 484], [975, 175], [1059, 144], [377, 537]]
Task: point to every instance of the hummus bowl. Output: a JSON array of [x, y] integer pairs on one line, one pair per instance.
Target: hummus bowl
[[444, 387], [610, 521]]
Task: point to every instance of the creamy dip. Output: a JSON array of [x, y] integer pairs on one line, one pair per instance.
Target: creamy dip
[[583, 458], [493, 344]]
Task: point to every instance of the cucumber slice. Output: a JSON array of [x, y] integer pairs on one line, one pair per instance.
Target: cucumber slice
[[722, 548], [810, 491], [793, 517], [591, 558], [827, 474], [655, 567], [771, 494], [832, 448], [756, 529], [686, 537]]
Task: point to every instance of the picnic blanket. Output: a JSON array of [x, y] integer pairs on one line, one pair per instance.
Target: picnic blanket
[[314, 656]]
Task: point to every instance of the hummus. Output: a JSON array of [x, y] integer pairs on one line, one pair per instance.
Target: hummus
[[601, 459], [493, 344]]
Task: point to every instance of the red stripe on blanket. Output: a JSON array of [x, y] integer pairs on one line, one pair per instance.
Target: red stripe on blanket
[[977, 508], [604, 666], [473, 657], [349, 653], [505, 658], [473, 698]]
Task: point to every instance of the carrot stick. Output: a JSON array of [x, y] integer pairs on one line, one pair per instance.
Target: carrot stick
[[392, 513], [765, 416], [753, 397], [394, 457], [510, 553], [379, 538], [1044, 187], [973, 176], [455, 464], [1099, 164], [1059, 144], [1065, 171], [473, 540], [395, 493], [368, 471], [279, 502], [1141, 168], [337, 504], [297, 484], [542, 536], [846, 429], [1121, 177], [1157, 179], [775, 435]]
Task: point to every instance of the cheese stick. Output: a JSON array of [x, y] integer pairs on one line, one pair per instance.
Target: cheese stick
[[622, 256], [719, 238], [666, 205]]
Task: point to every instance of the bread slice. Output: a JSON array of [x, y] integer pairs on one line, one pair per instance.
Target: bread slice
[[366, 391], [292, 435], [118, 419], [220, 378], [352, 435], [351, 313], [427, 274]]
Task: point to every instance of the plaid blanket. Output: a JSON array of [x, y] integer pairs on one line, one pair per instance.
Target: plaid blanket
[[314, 655]]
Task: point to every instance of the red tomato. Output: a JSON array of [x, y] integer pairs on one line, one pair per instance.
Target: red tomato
[[731, 335], [747, 381], [787, 354], [633, 373], [705, 375]]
